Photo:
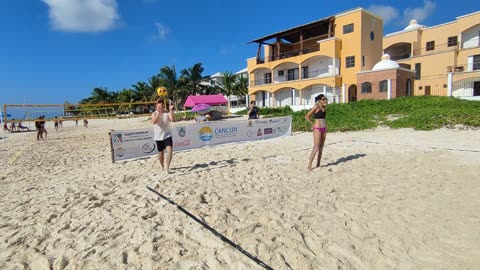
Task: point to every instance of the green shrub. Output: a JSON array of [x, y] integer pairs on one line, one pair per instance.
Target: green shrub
[[420, 112]]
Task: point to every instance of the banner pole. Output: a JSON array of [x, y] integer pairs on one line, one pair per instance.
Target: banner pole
[[3, 131], [111, 145]]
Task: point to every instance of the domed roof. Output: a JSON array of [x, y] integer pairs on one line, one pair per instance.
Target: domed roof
[[413, 25], [386, 63]]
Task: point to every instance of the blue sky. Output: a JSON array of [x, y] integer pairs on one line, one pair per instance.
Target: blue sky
[[52, 51]]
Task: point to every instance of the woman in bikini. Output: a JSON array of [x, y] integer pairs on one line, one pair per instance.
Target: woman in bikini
[[319, 111]]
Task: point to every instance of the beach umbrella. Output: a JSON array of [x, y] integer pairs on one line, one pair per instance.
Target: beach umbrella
[[201, 108]]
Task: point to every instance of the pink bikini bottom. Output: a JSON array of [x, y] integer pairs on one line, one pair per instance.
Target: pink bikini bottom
[[322, 130]]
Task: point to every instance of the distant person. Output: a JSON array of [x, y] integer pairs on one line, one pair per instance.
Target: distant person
[[37, 127], [43, 127], [40, 127], [162, 133], [5, 127], [22, 127], [319, 126], [85, 122], [13, 127], [55, 123], [76, 122], [253, 112], [60, 122]]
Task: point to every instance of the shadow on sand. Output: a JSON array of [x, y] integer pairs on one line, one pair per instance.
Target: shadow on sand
[[210, 165], [345, 159]]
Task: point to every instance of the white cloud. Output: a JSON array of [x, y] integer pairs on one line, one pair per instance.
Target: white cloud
[[162, 31], [419, 13], [82, 15], [388, 13]]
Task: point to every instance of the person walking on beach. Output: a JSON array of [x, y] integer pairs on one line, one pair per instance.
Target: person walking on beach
[[253, 111], [13, 127], [40, 126], [319, 111], [55, 123], [162, 133]]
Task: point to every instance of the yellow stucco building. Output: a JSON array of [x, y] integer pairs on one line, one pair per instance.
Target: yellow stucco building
[[330, 55]]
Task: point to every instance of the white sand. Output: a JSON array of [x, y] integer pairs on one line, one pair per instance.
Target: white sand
[[384, 199]]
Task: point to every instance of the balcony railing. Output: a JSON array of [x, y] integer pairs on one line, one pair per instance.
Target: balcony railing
[[318, 73], [435, 49], [322, 72], [260, 82], [475, 66], [287, 54]]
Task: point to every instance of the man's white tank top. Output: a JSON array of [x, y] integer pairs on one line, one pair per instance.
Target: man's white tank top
[[161, 129]]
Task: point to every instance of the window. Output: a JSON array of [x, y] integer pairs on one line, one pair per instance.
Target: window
[[268, 77], [430, 45], [418, 71], [292, 74], [452, 41], [476, 88], [281, 73], [383, 86], [363, 60], [348, 28], [212, 83], [349, 61], [305, 72], [366, 87], [476, 62]]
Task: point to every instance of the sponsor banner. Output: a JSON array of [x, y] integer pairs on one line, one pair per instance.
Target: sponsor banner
[[127, 144]]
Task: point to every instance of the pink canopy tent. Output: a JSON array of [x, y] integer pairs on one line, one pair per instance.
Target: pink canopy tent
[[206, 99]]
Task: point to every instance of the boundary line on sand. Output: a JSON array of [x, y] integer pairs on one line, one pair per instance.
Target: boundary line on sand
[[420, 146], [215, 232]]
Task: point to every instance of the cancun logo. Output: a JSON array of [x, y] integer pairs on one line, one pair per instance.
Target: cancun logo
[[205, 134]]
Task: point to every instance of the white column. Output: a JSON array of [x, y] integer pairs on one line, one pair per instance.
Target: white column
[[325, 90], [449, 84], [344, 90], [334, 66], [293, 96], [389, 89], [247, 99]]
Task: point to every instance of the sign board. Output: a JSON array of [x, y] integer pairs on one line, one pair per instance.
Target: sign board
[[127, 144]]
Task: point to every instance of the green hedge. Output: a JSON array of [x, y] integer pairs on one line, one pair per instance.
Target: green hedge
[[421, 113]]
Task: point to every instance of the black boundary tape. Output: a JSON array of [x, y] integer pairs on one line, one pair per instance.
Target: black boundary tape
[[215, 232]]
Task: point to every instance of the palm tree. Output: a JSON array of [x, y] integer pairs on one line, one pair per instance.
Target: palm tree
[[228, 84], [153, 83], [126, 96], [192, 77], [143, 92], [101, 95], [241, 86], [176, 89]]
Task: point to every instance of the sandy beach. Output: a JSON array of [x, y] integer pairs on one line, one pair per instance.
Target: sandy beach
[[383, 199]]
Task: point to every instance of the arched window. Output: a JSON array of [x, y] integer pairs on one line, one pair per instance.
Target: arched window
[[366, 87], [384, 86]]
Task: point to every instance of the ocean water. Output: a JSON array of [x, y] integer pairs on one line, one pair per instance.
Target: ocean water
[[31, 113]]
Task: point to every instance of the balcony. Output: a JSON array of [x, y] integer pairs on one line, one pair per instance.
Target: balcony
[[475, 66], [329, 71], [435, 48]]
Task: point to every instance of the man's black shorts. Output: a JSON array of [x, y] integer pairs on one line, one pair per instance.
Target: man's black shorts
[[161, 145]]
